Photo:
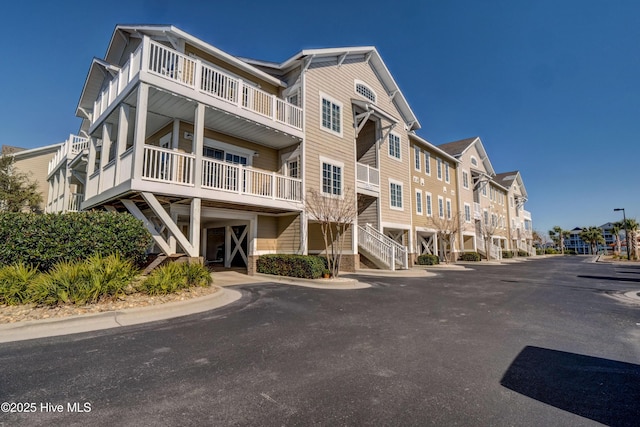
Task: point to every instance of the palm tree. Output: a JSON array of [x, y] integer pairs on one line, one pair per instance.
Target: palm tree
[[616, 227], [593, 236], [557, 234], [632, 228]]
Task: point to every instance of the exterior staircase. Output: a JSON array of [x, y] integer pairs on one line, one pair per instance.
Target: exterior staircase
[[383, 251]]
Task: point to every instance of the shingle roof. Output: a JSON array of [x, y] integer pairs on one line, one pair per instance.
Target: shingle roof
[[456, 148], [505, 178]]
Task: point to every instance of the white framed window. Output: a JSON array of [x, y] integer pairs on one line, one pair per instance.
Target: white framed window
[[467, 212], [330, 114], [465, 179], [394, 146], [427, 199], [486, 217], [439, 168], [365, 91], [417, 157], [331, 177], [448, 204], [446, 172], [440, 207], [427, 163], [484, 189], [474, 161], [395, 194], [494, 220], [419, 202], [229, 153]]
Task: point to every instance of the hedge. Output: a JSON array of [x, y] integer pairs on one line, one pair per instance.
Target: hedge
[[428, 259], [507, 254], [470, 256], [523, 253], [44, 240], [302, 266]]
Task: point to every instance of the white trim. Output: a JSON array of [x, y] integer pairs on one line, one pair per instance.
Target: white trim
[[332, 162], [439, 168], [324, 96], [465, 173], [428, 211], [448, 211], [357, 82], [427, 162], [394, 225], [398, 159], [467, 205], [230, 148], [447, 172], [417, 151], [441, 212], [401, 185], [421, 205]]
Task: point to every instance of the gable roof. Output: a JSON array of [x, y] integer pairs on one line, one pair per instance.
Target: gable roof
[[458, 148], [370, 53], [426, 143], [507, 179]]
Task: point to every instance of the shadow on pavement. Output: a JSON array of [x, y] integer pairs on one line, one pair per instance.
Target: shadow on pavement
[[618, 279], [602, 390]]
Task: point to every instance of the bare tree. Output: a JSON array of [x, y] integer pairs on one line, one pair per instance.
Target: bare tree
[[488, 227], [336, 216], [540, 239], [447, 229]]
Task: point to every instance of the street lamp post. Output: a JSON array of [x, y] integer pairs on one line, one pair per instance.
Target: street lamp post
[[626, 234]]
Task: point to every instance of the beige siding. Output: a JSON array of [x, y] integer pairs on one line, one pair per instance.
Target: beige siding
[[289, 234], [316, 240], [267, 233], [36, 167]]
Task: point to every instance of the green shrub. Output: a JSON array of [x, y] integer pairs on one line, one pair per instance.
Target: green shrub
[[550, 251], [539, 251], [507, 254], [302, 266], [82, 282], [174, 277], [523, 253], [469, 256], [196, 274], [428, 259], [44, 240], [14, 281]]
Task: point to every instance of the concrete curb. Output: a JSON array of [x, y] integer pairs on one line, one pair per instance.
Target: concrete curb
[[32, 329], [337, 284]]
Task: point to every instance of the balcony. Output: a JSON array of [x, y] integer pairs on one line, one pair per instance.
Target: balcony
[[195, 79], [477, 211], [170, 172], [368, 178], [70, 148]]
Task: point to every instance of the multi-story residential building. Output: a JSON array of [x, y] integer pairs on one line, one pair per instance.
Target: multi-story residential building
[[33, 162], [217, 154], [518, 219]]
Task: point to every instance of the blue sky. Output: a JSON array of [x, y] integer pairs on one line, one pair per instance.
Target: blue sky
[[551, 87]]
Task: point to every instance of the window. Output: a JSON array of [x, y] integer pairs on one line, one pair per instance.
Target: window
[[394, 146], [366, 91], [465, 179], [484, 189], [467, 212], [395, 195], [417, 158], [292, 168], [331, 179], [439, 166], [440, 207], [428, 203], [494, 220], [448, 209], [491, 193], [427, 165], [331, 115], [446, 172], [474, 161], [419, 202], [486, 217]]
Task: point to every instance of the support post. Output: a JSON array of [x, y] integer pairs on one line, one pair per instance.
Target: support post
[[140, 130], [194, 224], [121, 141], [198, 144]]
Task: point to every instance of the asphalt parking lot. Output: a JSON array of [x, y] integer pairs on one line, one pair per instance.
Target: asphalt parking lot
[[542, 342]]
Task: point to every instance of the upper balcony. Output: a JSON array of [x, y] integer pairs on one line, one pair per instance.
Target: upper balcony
[[526, 215], [368, 178], [233, 100], [71, 148]]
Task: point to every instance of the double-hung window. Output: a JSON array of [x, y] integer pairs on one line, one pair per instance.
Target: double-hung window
[[428, 203], [395, 195], [331, 115], [419, 202], [427, 164], [331, 179], [417, 158], [465, 179], [448, 209], [440, 207], [446, 172], [394, 146], [467, 212], [439, 170]]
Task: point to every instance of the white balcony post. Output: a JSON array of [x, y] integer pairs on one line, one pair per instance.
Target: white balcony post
[[198, 144], [140, 129], [121, 141], [91, 161], [194, 226], [67, 189], [104, 154], [175, 135], [273, 184], [197, 83]]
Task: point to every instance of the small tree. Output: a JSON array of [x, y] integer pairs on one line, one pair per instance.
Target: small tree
[[632, 228], [18, 192], [540, 239], [488, 227], [336, 216], [447, 229], [616, 227]]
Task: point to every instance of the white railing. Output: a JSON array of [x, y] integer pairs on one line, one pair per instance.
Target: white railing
[[164, 165], [495, 251], [193, 73], [75, 201], [477, 212], [368, 177], [387, 250], [218, 175], [71, 147]]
